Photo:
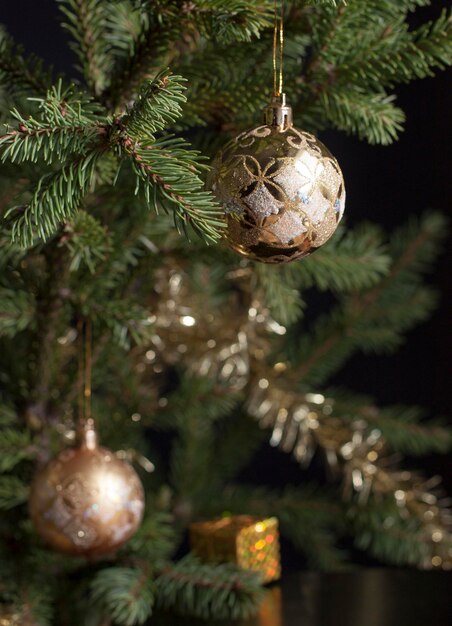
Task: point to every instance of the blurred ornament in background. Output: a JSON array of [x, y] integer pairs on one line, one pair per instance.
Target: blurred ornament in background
[[282, 191], [250, 542], [86, 501], [209, 342], [9, 616]]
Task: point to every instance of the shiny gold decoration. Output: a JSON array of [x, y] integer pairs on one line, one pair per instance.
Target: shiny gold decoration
[[218, 343], [355, 450], [9, 617], [186, 330], [282, 191], [86, 501], [251, 543]]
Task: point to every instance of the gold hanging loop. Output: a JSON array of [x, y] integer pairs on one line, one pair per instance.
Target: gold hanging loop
[[278, 36], [86, 427]]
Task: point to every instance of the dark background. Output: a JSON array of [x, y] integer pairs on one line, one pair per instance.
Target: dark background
[[385, 185]]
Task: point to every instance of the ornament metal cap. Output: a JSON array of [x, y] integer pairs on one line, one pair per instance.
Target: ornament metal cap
[[278, 113], [87, 434]]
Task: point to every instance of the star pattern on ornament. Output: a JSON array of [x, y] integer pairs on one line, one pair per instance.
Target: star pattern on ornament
[[263, 177]]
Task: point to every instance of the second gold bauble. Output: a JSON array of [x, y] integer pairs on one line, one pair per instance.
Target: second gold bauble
[[281, 189], [86, 501]]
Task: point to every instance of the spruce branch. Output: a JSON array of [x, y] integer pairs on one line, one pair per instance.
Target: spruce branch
[[19, 75], [376, 319], [88, 241], [351, 260], [166, 165], [396, 54], [370, 116], [404, 428], [168, 33], [13, 491], [349, 77], [146, 54], [155, 539], [208, 591], [69, 123], [240, 21], [56, 199], [15, 446], [157, 106], [387, 532], [85, 21], [127, 322], [16, 311], [348, 262], [127, 594]]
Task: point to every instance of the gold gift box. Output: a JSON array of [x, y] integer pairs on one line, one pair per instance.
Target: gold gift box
[[250, 542]]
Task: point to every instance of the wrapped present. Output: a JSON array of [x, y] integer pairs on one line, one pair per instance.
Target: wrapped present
[[250, 542]]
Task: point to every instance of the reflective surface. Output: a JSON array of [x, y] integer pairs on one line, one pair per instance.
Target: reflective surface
[[282, 190], [86, 501], [365, 597]]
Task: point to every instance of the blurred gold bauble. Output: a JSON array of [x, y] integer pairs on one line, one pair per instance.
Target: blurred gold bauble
[[9, 617], [282, 190], [86, 501]]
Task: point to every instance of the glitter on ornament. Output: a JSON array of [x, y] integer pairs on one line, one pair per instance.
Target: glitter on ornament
[[286, 184]]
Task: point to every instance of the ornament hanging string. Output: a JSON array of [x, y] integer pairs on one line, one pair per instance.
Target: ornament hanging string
[[84, 372], [278, 36]]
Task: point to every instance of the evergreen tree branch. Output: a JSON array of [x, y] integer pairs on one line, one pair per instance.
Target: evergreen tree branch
[[69, 123], [346, 263], [376, 318], [370, 116], [19, 75], [146, 54], [85, 21], [166, 163], [13, 492], [403, 428], [16, 311], [56, 199], [87, 240], [127, 594], [15, 446], [208, 591]]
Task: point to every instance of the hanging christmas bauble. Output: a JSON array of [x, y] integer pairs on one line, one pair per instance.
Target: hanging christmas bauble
[[281, 189], [9, 616], [86, 501]]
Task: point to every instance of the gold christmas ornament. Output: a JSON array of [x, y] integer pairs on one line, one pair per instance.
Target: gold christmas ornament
[[250, 542], [9, 616], [282, 190], [86, 501]]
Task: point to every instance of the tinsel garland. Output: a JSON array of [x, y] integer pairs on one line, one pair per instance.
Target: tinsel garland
[[231, 344]]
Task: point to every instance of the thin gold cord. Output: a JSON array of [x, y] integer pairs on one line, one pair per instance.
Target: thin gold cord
[[81, 369], [88, 367], [84, 333], [278, 33], [281, 47]]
